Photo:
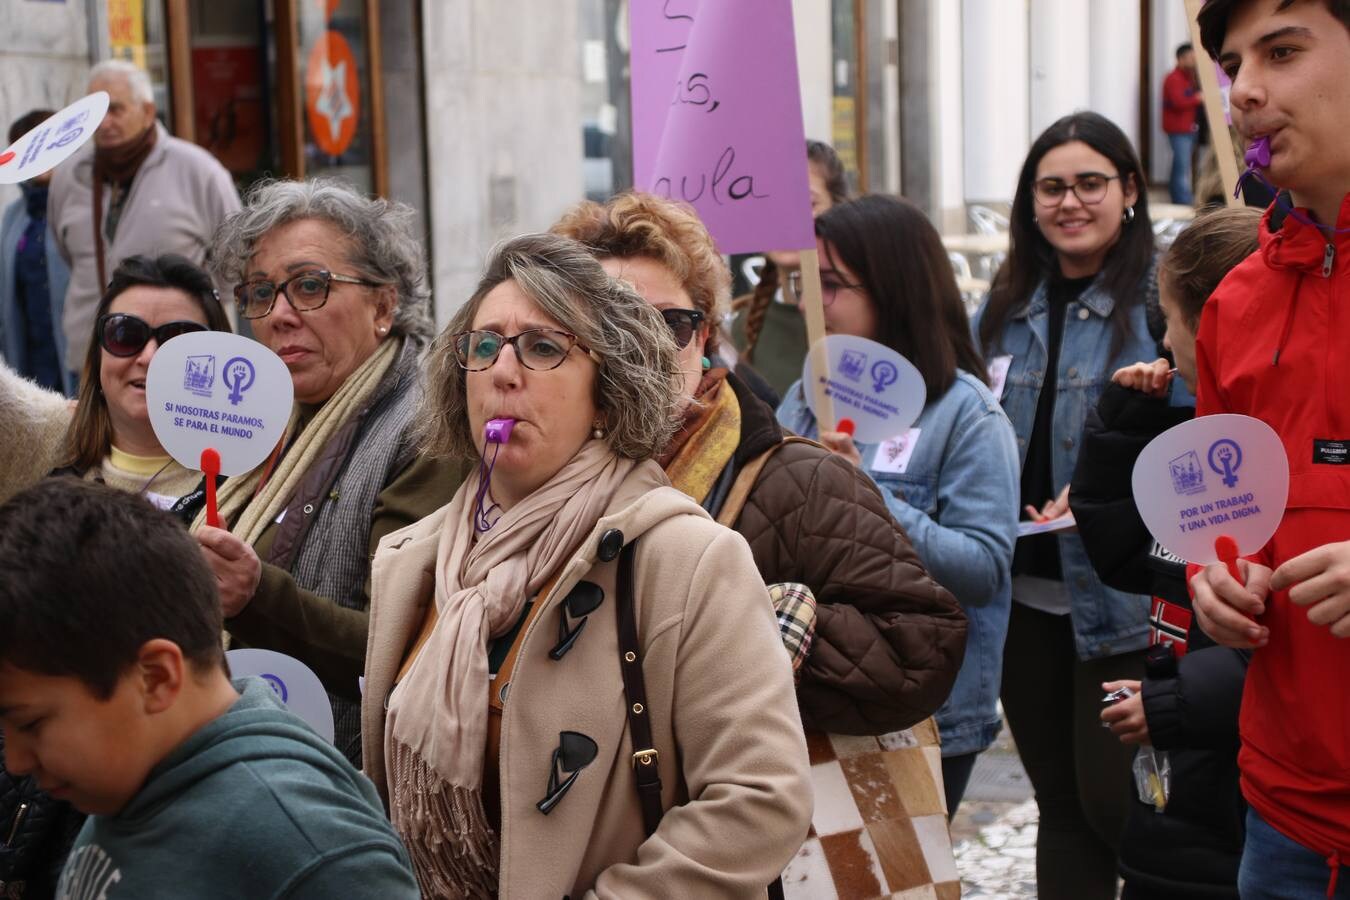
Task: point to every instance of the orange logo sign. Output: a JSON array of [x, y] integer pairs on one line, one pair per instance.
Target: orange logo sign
[[332, 93]]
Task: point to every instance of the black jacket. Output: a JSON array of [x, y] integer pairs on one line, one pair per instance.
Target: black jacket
[[36, 833], [1191, 705]]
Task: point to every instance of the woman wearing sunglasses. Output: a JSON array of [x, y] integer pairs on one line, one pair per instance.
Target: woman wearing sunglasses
[[1072, 304], [148, 301], [570, 627], [335, 284], [811, 519]]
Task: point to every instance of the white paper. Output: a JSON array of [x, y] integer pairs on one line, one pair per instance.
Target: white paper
[[998, 374], [893, 454], [1063, 523]]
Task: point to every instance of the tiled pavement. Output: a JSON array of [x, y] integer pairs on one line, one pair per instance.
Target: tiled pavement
[[994, 834]]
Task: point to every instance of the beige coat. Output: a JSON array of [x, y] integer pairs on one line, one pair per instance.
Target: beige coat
[[34, 422], [736, 783]]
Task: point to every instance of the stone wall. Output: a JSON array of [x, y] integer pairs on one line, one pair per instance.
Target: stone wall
[[504, 130]]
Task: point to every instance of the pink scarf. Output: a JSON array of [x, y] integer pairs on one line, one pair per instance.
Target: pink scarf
[[436, 730]]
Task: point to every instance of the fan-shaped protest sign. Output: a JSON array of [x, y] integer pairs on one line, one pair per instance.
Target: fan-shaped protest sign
[[213, 389], [881, 391], [294, 683], [1214, 476], [51, 143]]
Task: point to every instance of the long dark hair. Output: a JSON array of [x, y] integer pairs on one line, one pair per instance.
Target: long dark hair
[[91, 433], [898, 256], [1031, 258]]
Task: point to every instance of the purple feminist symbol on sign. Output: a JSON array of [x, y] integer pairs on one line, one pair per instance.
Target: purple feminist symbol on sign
[[238, 377], [1225, 458]]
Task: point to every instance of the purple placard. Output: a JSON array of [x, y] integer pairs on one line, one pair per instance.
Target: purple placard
[[717, 118], [1225, 86]]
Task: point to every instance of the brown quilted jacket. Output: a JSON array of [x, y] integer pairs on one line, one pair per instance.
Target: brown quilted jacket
[[889, 639]]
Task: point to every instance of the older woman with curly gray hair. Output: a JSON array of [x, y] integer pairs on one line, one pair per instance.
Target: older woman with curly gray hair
[[334, 283], [575, 684]]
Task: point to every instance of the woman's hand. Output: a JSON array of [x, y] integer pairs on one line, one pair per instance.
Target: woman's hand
[[1052, 509], [842, 443], [1126, 717], [1152, 378], [235, 565]]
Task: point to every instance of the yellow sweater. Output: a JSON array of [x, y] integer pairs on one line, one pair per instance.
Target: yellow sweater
[[159, 478]]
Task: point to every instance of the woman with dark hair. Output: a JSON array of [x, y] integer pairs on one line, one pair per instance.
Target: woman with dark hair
[[767, 313], [951, 480], [1069, 307], [148, 301]]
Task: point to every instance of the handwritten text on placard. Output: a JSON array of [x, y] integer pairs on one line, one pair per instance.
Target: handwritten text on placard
[[717, 118]]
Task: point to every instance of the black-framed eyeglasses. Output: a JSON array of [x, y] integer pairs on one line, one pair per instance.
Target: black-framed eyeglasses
[[684, 324], [122, 334], [540, 349], [306, 291], [829, 288], [1090, 189]]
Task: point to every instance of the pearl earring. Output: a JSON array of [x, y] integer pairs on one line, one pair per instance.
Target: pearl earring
[[597, 432]]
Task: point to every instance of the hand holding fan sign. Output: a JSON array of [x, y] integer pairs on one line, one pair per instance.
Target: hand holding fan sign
[[1213, 490]]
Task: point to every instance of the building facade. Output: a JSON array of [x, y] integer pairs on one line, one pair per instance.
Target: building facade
[[490, 117]]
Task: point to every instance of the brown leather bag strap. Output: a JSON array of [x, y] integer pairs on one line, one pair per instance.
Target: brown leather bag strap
[[746, 478], [646, 764]]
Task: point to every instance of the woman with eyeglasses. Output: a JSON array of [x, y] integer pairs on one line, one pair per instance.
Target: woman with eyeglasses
[[148, 301], [335, 284], [1072, 304], [575, 684], [951, 478]]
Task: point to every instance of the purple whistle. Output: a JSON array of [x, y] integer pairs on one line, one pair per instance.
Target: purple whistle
[[498, 431], [1258, 154]]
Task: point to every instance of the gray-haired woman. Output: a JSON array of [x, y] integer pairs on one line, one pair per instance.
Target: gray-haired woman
[[524, 582], [334, 283]]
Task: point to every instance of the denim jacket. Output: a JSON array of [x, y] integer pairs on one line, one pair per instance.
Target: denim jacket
[[957, 500], [1106, 622]]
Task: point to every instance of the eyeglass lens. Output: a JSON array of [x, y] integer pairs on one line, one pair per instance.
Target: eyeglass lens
[[539, 349], [308, 290]]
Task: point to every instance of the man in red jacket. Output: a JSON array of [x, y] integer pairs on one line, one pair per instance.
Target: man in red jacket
[[1181, 99], [1274, 343]]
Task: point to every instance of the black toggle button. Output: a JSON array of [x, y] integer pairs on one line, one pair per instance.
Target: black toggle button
[[580, 602], [575, 752], [611, 542]]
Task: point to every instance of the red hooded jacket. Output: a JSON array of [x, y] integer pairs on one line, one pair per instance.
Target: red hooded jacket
[[1274, 343]]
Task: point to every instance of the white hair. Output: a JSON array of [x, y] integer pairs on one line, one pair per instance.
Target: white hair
[[136, 78]]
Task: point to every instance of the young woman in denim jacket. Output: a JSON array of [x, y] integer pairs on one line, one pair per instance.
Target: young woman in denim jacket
[[951, 481], [1067, 309]]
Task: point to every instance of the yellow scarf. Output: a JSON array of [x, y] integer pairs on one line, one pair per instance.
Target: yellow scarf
[[717, 434]]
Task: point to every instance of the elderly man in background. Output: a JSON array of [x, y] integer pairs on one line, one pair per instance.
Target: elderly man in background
[[133, 190]]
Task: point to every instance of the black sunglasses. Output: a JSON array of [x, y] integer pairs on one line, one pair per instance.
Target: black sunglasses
[[684, 324], [122, 334]]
